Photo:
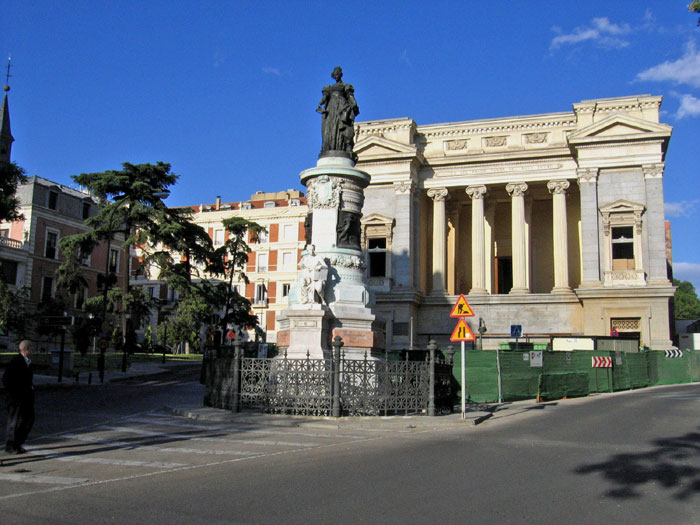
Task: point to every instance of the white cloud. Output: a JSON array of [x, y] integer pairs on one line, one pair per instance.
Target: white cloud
[[690, 107], [680, 209], [272, 71], [601, 31], [685, 70], [684, 271]]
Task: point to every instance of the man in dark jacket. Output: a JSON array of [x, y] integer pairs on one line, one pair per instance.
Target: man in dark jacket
[[19, 390]]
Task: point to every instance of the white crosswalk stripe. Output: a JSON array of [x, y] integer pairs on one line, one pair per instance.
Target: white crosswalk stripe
[[212, 439], [34, 478], [80, 458]]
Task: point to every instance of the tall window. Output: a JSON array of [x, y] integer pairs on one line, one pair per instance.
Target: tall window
[[46, 288], [260, 293], [263, 237], [113, 260], [289, 232], [285, 289], [262, 262], [52, 200], [86, 210], [376, 249], [622, 248], [288, 260], [218, 237], [8, 271], [50, 248]]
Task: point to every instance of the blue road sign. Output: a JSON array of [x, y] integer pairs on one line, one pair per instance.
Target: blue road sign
[[516, 330]]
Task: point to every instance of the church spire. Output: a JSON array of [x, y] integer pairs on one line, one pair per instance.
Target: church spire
[[6, 138]]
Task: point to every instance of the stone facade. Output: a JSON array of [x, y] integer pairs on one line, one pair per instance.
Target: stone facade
[[553, 221]]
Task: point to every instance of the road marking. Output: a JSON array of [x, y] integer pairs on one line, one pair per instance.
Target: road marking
[[160, 421], [132, 445], [34, 478], [188, 437], [60, 456]]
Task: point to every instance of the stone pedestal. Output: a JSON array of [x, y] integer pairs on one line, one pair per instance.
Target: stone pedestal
[[335, 197]]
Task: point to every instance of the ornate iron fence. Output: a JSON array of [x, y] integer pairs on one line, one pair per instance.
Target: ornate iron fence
[[332, 387]]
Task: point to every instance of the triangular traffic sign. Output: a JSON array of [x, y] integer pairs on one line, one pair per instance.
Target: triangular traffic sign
[[462, 332], [461, 308]]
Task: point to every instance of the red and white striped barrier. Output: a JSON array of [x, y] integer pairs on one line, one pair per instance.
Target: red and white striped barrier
[[602, 362]]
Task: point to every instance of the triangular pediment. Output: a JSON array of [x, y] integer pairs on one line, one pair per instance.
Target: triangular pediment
[[622, 206], [619, 125], [375, 145], [377, 218]]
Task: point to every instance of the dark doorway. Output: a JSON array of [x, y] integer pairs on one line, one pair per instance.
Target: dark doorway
[[504, 274]]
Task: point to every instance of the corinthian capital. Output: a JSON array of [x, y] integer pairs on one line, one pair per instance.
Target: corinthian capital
[[438, 194], [653, 171], [587, 174], [476, 192], [557, 187], [516, 189]]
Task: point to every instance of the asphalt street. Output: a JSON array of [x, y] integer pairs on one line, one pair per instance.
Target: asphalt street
[[117, 454]]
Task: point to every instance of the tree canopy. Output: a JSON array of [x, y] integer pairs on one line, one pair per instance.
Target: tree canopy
[[686, 302], [694, 7], [11, 176]]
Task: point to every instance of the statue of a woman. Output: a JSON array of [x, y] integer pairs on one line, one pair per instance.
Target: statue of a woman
[[339, 108]]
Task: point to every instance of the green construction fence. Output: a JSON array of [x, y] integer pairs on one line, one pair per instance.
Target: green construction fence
[[569, 374]]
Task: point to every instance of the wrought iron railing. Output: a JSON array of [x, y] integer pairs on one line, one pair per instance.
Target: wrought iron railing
[[331, 387]]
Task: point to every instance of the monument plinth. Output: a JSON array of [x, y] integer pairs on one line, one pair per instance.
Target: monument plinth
[[331, 296]]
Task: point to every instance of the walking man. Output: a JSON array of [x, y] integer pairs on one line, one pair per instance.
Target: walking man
[[19, 390]]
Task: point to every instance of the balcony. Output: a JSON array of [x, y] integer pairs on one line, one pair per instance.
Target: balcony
[[11, 243]]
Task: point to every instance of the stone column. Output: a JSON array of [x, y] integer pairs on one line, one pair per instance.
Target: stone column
[[402, 267], [590, 253], [561, 249], [518, 238], [489, 229], [439, 196], [656, 233], [477, 194]]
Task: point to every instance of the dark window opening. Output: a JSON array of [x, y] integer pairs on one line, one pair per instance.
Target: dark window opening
[[504, 274], [51, 242], [285, 289], [47, 289], [377, 257], [113, 260], [53, 200], [86, 210], [623, 248], [8, 272]]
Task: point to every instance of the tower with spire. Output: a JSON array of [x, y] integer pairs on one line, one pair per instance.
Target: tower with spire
[[6, 138]]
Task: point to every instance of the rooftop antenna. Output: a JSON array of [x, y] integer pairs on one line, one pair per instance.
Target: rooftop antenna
[[6, 87]]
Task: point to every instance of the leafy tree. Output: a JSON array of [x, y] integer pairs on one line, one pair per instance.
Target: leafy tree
[[694, 7], [11, 176], [686, 302], [14, 317]]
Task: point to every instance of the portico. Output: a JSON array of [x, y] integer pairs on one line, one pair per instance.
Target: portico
[[551, 221]]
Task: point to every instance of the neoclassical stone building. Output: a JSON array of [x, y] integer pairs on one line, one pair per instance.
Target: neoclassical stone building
[[554, 222]]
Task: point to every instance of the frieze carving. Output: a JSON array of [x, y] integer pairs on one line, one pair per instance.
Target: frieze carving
[[535, 138], [456, 145], [403, 187], [495, 142], [476, 192], [347, 261], [438, 194], [557, 187], [653, 171], [516, 189], [500, 168], [324, 192]]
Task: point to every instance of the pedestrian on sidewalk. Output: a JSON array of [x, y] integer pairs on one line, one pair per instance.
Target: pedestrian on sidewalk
[[19, 390]]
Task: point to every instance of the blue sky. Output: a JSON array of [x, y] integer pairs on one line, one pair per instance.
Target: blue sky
[[226, 91]]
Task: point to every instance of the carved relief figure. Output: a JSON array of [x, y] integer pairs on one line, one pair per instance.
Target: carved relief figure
[[308, 227], [348, 230], [314, 272], [339, 108]]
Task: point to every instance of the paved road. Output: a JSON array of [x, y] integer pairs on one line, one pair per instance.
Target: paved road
[[628, 458]]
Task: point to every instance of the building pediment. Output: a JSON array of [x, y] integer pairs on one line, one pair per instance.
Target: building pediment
[[377, 219], [375, 146], [621, 206], [620, 126]]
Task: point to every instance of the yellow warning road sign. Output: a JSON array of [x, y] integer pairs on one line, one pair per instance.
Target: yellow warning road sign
[[462, 332], [461, 308]]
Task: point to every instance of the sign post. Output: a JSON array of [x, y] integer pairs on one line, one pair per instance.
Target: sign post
[[462, 333]]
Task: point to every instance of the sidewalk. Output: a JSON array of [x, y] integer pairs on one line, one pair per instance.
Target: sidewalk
[[475, 415], [46, 382]]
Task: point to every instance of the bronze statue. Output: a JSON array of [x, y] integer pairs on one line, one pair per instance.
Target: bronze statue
[[339, 108]]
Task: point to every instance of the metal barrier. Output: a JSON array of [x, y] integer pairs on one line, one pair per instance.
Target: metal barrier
[[332, 387]]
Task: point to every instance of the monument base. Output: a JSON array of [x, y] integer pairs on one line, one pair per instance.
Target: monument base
[[304, 332]]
